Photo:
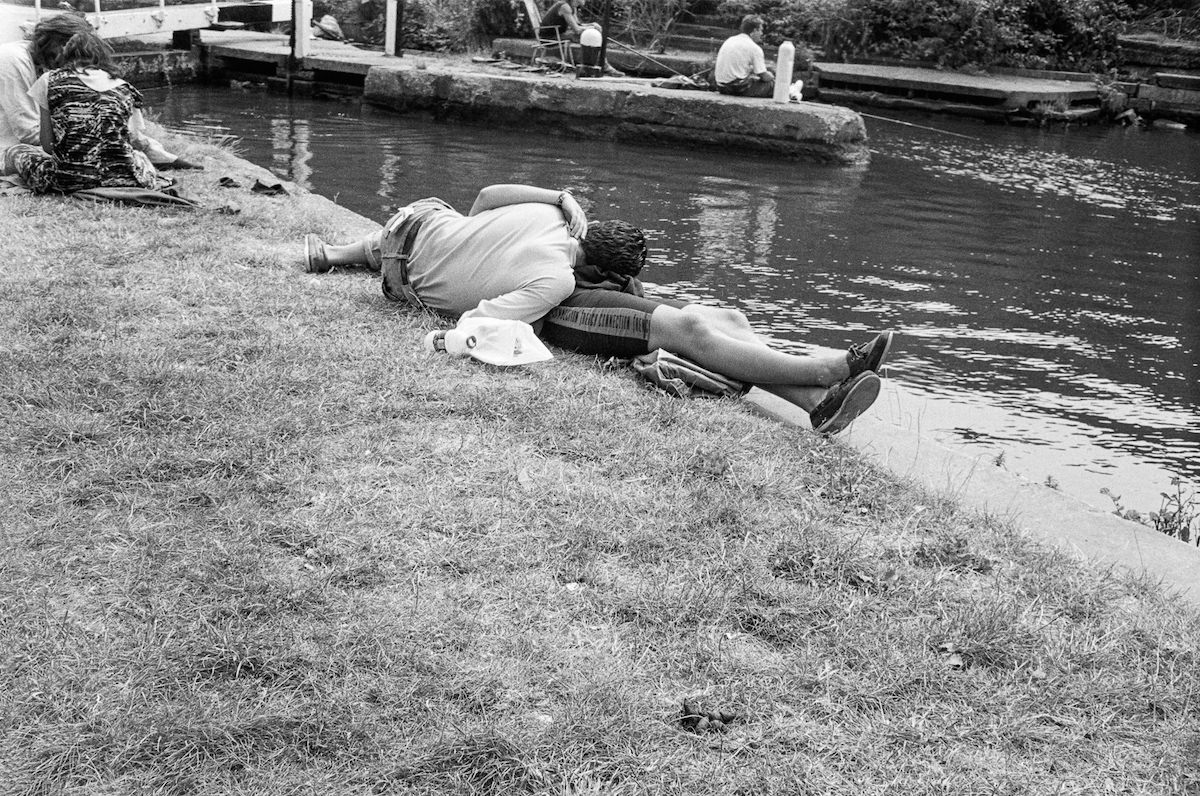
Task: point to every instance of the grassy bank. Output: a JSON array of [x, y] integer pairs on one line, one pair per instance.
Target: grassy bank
[[256, 541]]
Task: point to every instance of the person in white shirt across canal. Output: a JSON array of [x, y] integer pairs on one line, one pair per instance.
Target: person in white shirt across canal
[[741, 69], [529, 254]]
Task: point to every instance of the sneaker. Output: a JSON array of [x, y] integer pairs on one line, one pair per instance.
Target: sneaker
[[610, 71], [869, 356], [845, 402], [315, 261]]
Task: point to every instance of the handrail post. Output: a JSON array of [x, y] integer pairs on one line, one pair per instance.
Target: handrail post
[[301, 29], [390, 28]]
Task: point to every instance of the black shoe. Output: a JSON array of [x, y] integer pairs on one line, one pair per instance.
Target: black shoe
[[869, 356], [315, 261], [846, 401]]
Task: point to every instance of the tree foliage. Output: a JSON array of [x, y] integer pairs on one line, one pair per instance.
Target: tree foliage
[[1043, 34]]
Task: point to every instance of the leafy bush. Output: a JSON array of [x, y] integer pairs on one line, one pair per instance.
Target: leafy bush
[[1048, 34]]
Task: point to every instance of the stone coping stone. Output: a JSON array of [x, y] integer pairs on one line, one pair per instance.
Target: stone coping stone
[[621, 110]]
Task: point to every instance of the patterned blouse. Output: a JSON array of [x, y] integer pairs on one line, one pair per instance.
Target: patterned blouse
[[91, 135]]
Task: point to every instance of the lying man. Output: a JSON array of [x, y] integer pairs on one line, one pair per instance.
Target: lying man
[[529, 254]]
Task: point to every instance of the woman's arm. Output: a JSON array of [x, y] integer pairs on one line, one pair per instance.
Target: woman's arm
[[494, 196]]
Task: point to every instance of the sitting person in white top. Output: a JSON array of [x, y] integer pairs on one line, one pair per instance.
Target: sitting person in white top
[[741, 69], [21, 62]]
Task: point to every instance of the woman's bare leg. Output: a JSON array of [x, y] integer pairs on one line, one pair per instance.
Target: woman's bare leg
[[722, 341]]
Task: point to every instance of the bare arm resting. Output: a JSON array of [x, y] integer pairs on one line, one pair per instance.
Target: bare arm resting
[[506, 194]]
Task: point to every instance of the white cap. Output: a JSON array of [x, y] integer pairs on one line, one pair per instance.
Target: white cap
[[496, 342]]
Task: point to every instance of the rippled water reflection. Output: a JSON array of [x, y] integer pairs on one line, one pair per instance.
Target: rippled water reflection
[[1046, 282]]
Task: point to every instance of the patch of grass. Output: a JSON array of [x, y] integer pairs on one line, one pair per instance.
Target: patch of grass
[[256, 541]]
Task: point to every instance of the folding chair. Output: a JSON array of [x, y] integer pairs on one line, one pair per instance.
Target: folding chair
[[548, 38]]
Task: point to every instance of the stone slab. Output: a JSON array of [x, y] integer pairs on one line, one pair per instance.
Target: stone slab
[[1154, 50], [1182, 82], [1009, 91], [622, 110]]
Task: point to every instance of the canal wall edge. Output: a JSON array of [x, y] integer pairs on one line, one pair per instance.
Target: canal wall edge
[[890, 435]]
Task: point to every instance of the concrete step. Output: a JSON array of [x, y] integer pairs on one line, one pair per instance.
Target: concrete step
[[699, 44], [701, 31], [708, 20], [1183, 82]]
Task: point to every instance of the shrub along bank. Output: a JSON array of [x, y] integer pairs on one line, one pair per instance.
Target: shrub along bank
[[256, 541], [1079, 35], [1076, 35]]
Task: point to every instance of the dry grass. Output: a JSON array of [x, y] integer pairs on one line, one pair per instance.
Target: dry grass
[[256, 542]]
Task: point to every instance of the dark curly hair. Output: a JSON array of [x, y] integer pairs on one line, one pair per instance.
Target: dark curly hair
[[69, 40], [615, 247]]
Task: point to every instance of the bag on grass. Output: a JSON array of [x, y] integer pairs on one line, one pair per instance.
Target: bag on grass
[[683, 378]]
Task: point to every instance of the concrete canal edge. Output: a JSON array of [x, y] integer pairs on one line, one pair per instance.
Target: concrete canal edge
[[619, 110], [890, 435]]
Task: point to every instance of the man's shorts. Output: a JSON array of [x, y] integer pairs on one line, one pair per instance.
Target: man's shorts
[[604, 323], [372, 245]]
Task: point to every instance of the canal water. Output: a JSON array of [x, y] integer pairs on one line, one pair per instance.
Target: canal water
[[1046, 282]]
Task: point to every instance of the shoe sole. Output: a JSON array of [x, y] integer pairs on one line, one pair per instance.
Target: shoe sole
[[857, 400], [887, 348]]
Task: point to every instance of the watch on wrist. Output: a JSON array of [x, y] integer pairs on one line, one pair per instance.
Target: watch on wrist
[[562, 197]]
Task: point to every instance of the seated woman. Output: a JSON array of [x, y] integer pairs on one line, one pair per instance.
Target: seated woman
[[563, 19], [92, 131]]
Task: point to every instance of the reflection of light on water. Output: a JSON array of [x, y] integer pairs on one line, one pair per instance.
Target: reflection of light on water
[[1095, 182]]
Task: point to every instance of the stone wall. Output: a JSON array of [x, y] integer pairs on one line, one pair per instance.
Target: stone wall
[[624, 111]]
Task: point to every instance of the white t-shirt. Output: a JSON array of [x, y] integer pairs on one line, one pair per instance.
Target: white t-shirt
[[512, 262], [739, 58], [19, 116]]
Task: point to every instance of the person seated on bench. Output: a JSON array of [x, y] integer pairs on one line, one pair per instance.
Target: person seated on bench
[[563, 19]]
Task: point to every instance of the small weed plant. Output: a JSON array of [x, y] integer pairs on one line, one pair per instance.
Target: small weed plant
[[1178, 515]]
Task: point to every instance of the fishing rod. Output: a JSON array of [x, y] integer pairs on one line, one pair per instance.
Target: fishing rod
[[919, 126], [647, 57]]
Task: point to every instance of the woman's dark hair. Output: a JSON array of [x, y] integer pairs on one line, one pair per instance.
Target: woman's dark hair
[[87, 50], [615, 247], [51, 35]]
